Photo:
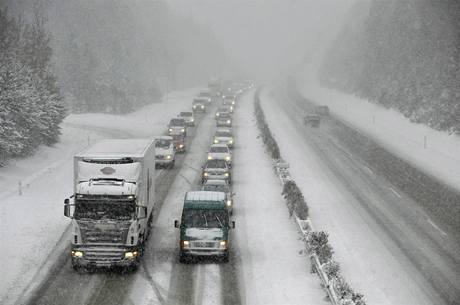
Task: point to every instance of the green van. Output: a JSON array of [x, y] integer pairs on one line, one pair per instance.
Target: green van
[[204, 227]]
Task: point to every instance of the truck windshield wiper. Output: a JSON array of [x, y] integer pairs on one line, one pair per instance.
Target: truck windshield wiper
[[205, 220]]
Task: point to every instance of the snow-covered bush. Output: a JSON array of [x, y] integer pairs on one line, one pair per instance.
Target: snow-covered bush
[[265, 133], [295, 200], [332, 269], [318, 243]]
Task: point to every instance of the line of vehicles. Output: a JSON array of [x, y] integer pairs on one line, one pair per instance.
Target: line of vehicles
[[113, 198]]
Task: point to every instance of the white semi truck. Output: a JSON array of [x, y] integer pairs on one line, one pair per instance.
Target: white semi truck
[[112, 204]]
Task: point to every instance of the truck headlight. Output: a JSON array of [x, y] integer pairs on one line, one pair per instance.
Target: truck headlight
[[223, 244], [230, 141], [185, 244], [226, 174], [228, 158], [131, 254], [77, 253], [205, 174], [168, 157], [216, 141], [229, 121], [231, 108], [209, 157]]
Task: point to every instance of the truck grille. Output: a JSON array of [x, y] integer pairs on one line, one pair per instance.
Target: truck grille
[[104, 255], [105, 233]]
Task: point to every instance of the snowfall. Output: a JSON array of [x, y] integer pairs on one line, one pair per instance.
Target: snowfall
[[275, 271]]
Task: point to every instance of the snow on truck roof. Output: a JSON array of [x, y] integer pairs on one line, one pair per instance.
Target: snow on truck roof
[[204, 196], [118, 148]]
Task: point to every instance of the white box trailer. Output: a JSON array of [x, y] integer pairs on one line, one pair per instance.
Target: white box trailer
[[113, 202]]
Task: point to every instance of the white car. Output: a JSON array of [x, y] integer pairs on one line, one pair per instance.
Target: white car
[[220, 152], [220, 186], [188, 117], [177, 127], [165, 155], [224, 136]]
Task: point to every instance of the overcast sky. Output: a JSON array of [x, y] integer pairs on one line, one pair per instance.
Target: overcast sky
[[268, 38]]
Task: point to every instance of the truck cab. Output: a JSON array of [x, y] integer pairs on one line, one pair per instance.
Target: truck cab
[[112, 203], [204, 226]]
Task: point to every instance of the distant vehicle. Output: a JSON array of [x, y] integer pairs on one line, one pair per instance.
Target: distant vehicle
[[113, 201], [222, 109], [322, 110], [179, 143], [199, 105], [230, 105], [165, 152], [206, 95], [204, 226], [187, 116], [220, 152], [220, 186], [230, 100], [216, 170], [224, 136], [224, 120], [312, 120], [177, 127]]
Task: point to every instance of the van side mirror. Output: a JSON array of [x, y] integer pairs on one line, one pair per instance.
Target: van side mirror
[[176, 223], [233, 224], [141, 212]]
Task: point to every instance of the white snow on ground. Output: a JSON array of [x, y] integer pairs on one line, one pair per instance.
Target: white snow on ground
[[273, 270], [31, 224], [440, 156], [366, 262]]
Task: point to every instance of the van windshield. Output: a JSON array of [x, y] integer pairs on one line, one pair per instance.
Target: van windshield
[[205, 218]]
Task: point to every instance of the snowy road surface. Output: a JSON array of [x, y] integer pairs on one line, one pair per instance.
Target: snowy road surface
[[388, 247], [266, 266]]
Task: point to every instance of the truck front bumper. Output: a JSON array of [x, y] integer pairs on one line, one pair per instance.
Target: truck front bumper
[[110, 256]]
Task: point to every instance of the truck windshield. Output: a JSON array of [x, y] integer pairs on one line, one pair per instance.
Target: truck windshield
[[205, 218], [104, 209]]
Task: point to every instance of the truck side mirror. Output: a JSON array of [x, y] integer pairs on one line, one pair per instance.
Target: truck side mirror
[[66, 201], [141, 212], [233, 224], [67, 206], [176, 223]]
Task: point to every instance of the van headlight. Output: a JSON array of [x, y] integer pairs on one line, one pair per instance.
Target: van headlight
[[76, 253], [216, 141], [228, 121], [131, 254], [185, 244], [228, 158], [168, 157], [223, 244]]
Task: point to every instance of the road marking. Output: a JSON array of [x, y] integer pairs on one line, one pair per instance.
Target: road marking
[[368, 169], [436, 227], [394, 192]]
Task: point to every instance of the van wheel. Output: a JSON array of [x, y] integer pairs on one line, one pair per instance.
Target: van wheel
[[225, 258], [183, 258]]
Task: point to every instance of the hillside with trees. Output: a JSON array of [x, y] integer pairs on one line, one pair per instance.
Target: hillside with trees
[[30, 101], [402, 54]]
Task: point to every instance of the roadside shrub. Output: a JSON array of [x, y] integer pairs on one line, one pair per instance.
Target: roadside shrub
[[318, 243], [295, 200], [332, 269]]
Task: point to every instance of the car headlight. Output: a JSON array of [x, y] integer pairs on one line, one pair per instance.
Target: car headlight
[[209, 157], [182, 130], [230, 141], [185, 244], [226, 174], [181, 146], [131, 254], [205, 174], [229, 121], [77, 253], [202, 106], [231, 108], [192, 120], [170, 129], [168, 157], [223, 244], [228, 158], [194, 106], [216, 141], [217, 114], [233, 102]]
